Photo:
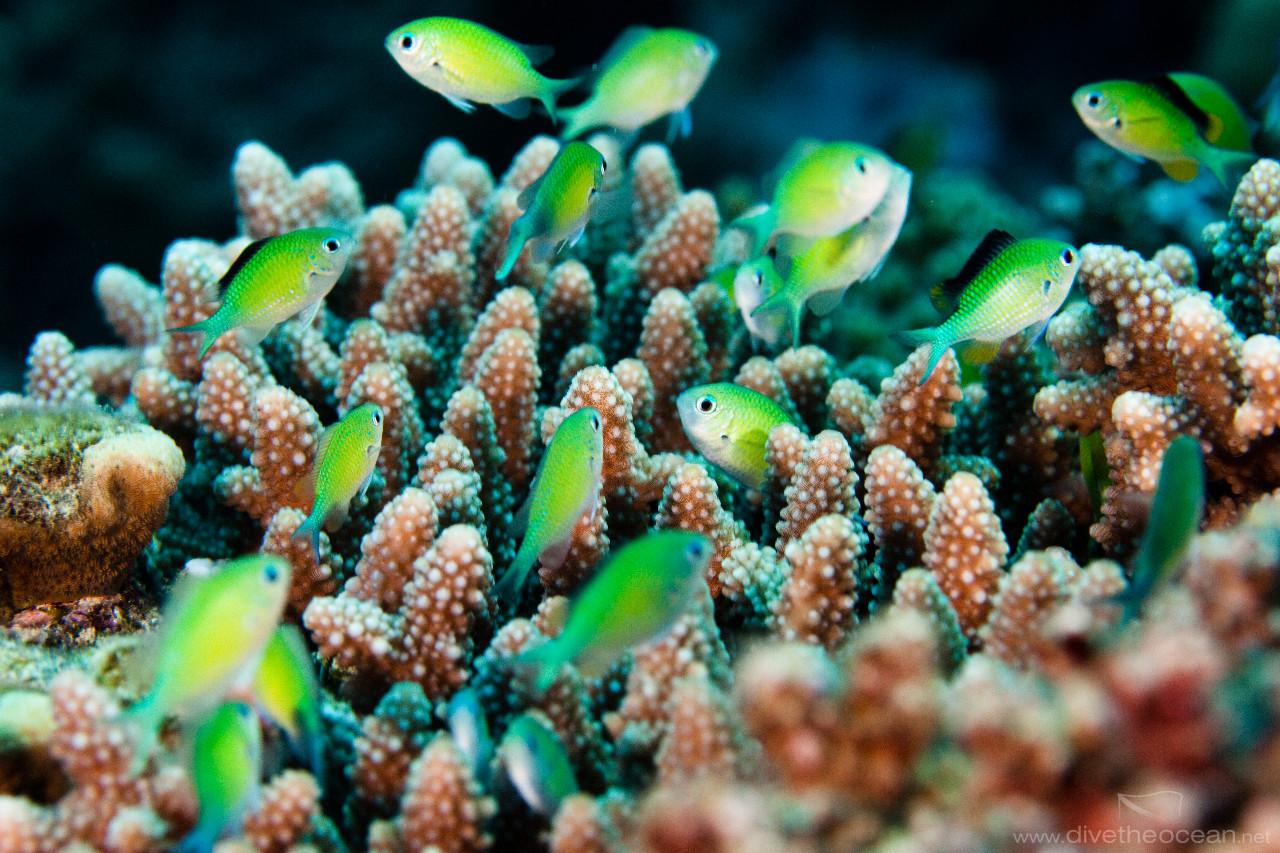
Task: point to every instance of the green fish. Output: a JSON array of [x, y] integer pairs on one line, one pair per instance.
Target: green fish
[[826, 188], [287, 691], [557, 205], [471, 64], [226, 763], [1174, 520], [213, 633], [1181, 121], [566, 486], [647, 74], [755, 282], [272, 280], [1006, 286], [638, 594], [344, 463], [729, 425], [821, 274], [536, 763], [470, 732]]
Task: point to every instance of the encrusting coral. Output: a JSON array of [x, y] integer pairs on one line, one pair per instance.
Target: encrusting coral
[[905, 636]]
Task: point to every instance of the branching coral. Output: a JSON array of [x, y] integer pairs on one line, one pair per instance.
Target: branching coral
[[886, 680]]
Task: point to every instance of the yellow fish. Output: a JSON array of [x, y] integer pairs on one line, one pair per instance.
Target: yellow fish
[[345, 459]]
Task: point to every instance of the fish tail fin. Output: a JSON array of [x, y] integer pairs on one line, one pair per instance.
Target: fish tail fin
[[208, 329], [553, 89], [758, 222], [310, 528], [542, 664], [915, 337], [198, 840], [1228, 166], [145, 715], [576, 120], [783, 301], [515, 243], [508, 588]]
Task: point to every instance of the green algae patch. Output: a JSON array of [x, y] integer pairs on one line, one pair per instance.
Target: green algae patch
[[81, 493]]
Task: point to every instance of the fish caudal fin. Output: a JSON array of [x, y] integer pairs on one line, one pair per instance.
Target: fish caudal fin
[[207, 328], [508, 588], [542, 664], [311, 529], [516, 240], [576, 120], [781, 301], [1228, 166], [915, 337], [553, 89], [758, 222]]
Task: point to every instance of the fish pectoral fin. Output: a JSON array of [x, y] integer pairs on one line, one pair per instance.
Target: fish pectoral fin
[[529, 193], [307, 315], [980, 352], [1213, 128], [1181, 170], [519, 108], [1035, 330], [461, 103], [555, 552]]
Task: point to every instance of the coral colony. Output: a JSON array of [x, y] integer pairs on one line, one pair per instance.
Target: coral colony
[[912, 622]]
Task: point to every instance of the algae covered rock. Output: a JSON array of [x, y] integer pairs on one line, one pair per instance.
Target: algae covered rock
[[81, 493]]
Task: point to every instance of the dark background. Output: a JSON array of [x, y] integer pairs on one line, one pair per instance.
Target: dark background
[[119, 120]]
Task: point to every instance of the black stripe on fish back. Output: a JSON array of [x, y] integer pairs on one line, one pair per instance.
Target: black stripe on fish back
[[1174, 94], [946, 294], [239, 263]]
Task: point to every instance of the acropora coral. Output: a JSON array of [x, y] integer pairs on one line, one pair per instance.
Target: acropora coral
[[907, 639]]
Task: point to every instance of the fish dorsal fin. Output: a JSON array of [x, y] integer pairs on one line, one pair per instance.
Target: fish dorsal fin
[[946, 294], [537, 53], [624, 42], [305, 488], [1176, 95], [529, 193], [240, 262]]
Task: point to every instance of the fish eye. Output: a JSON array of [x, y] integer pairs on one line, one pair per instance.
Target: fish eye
[[706, 404], [861, 164], [695, 551], [377, 418], [759, 278], [701, 47], [604, 165], [406, 41], [331, 245], [1093, 99], [595, 423], [270, 573], [1068, 257]]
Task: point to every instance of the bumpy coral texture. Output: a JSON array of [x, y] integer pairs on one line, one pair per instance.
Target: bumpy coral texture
[[864, 668]]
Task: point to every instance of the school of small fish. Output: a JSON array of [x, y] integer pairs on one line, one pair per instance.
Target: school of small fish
[[835, 212]]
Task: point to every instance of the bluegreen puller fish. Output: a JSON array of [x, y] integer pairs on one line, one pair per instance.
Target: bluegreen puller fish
[[1006, 286], [345, 459], [468, 64], [558, 205], [639, 593], [272, 280]]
